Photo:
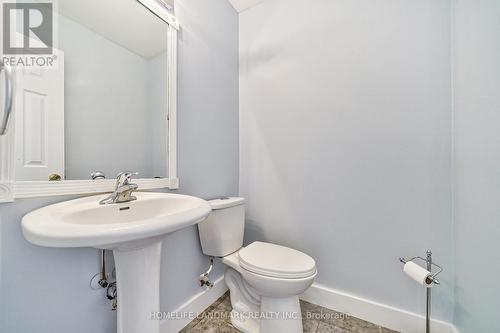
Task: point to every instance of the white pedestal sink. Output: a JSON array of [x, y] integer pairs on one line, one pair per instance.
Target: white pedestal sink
[[133, 230]]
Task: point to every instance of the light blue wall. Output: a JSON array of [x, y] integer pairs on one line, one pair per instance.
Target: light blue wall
[[46, 290], [345, 139], [477, 165], [208, 128]]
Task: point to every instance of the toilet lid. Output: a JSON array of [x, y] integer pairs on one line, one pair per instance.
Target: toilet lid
[[276, 261]]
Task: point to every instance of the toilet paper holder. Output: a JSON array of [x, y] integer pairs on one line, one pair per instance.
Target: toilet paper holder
[[429, 264]]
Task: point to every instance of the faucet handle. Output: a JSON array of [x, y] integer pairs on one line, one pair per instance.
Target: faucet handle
[[124, 177], [97, 175]]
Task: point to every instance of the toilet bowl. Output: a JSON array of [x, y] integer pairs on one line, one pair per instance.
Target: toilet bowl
[[264, 279], [267, 301]]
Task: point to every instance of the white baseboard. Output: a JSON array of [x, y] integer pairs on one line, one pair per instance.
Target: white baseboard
[[196, 304], [377, 313]]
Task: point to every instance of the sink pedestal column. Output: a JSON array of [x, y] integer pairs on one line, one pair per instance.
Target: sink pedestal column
[[138, 288]]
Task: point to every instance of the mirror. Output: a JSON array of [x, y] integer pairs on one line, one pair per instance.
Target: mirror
[[105, 106]]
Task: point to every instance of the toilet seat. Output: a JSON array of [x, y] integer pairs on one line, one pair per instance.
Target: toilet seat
[[276, 261]]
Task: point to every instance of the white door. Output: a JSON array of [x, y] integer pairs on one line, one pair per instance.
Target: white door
[[39, 122]]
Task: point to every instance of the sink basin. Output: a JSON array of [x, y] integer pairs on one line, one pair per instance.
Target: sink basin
[[85, 223], [133, 230]]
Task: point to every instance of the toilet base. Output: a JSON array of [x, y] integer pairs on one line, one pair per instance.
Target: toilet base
[[253, 313], [245, 303], [280, 315]]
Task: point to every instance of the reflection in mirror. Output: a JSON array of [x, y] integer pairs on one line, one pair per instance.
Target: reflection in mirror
[[105, 106]]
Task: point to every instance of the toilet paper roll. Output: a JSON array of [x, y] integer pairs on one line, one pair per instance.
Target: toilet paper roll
[[418, 273]]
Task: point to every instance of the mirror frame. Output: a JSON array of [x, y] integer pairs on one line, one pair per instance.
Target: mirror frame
[[11, 189]]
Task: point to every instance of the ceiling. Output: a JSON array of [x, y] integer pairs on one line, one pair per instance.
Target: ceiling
[[134, 28], [241, 5], [148, 41]]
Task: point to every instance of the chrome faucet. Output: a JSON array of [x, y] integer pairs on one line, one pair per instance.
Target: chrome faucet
[[123, 189]]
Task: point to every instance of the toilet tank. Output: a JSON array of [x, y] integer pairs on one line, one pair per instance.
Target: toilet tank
[[221, 233]]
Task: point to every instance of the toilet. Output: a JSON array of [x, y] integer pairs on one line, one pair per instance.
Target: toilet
[[264, 279]]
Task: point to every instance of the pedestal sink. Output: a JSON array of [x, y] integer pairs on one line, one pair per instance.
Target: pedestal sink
[[133, 230]]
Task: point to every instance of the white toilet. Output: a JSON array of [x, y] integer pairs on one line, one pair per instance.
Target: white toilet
[[264, 279]]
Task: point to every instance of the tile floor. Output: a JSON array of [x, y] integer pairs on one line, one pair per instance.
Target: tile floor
[[316, 319]]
